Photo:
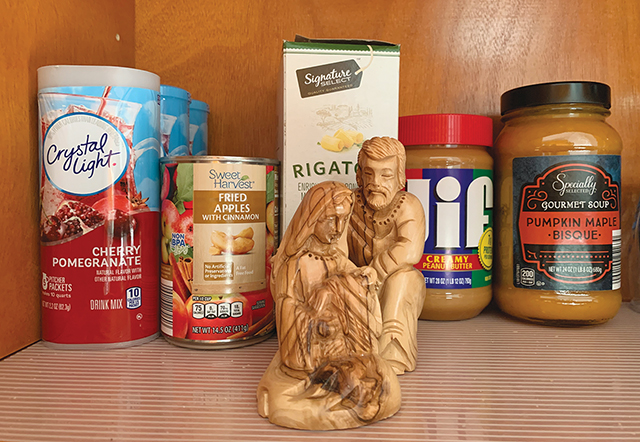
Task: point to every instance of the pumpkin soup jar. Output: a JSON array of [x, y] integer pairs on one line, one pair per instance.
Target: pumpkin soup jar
[[558, 233]]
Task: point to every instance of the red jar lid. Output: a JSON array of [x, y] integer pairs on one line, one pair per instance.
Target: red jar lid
[[475, 130]]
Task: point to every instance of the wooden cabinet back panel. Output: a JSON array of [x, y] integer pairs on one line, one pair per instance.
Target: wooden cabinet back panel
[[456, 56], [34, 34]]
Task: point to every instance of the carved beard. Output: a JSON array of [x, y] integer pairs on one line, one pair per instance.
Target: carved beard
[[378, 201]]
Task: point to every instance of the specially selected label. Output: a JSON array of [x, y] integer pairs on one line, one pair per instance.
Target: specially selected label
[[567, 232]]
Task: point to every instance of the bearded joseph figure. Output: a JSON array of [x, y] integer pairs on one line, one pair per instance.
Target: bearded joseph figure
[[386, 233], [327, 373]]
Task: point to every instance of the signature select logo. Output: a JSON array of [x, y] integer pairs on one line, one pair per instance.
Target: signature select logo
[[328, 78], [333, 77], [562, 185]]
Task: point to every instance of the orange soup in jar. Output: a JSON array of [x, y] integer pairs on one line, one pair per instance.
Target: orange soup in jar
[[558, 205]]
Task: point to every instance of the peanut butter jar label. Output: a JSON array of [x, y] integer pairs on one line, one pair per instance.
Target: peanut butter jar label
[[567, 233], [458, 209]]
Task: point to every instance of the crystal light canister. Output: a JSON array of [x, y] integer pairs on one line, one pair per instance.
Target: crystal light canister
[[100, 201]]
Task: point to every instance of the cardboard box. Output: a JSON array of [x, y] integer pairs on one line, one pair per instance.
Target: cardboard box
[[335, 94]]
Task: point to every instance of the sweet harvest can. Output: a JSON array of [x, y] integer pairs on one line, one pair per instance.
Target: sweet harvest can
[[219, 229], [99, 193]]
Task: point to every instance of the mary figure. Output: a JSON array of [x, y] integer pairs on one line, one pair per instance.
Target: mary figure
[[327, 373]]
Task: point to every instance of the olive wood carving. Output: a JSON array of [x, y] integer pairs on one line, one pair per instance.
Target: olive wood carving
[[387, 232], [327, 373]]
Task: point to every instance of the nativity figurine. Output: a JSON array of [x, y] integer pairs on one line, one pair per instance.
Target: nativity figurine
[[327, 373]]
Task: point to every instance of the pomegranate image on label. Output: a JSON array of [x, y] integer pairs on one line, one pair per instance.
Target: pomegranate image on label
[[71, 219]]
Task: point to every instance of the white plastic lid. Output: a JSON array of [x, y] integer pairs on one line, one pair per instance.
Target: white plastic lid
[[75, 75]]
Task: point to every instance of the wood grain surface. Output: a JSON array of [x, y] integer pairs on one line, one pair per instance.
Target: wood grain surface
[[34, 34], [456, 56]]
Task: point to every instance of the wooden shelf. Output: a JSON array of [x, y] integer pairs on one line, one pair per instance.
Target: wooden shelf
[[489, 378]]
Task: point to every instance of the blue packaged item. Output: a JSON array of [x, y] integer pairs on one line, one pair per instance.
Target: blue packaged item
[[198, 129], [174, 120]]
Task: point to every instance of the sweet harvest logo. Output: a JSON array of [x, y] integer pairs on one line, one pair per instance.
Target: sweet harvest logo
[[230, 180], [84, 154], [333, 77]]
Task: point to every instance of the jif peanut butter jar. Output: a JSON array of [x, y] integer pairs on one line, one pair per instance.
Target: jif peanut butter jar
[[450, 169]]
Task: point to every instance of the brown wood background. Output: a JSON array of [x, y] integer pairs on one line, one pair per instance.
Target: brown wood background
[[34, 34], [456, 56]]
